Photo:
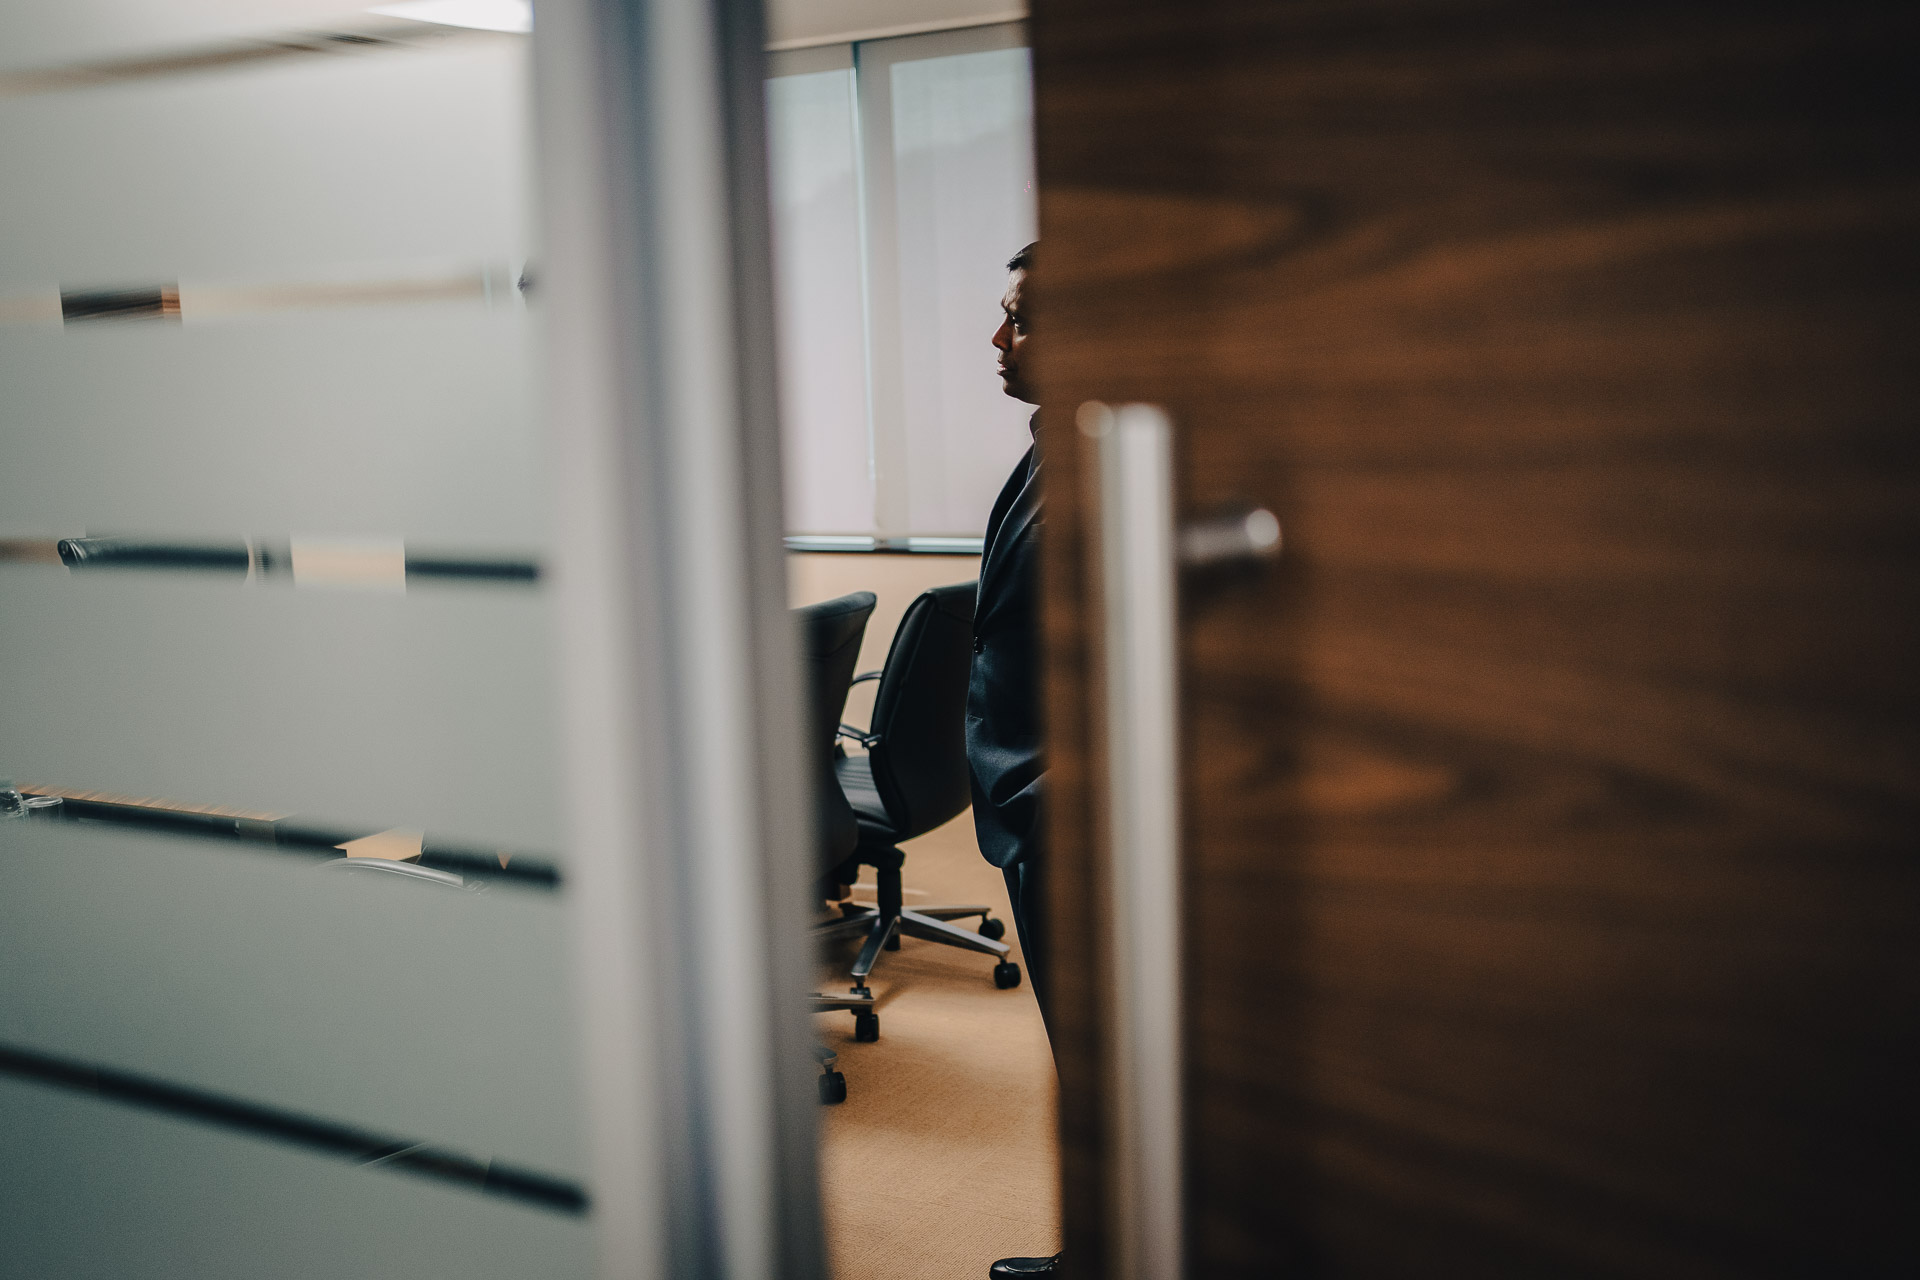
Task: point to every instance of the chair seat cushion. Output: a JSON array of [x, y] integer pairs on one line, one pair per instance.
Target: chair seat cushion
[[856, 779]]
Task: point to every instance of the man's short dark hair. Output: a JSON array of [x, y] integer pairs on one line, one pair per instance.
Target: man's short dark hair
[[1023, 260]]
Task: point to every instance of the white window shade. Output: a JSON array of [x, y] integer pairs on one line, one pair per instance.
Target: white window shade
[[949, 148], [822, 315], [963, 178]]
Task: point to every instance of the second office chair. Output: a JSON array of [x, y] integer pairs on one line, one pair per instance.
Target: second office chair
[[830, 635], [912, 779]]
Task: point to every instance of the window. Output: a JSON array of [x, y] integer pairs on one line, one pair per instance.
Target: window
[[819, 284], [903, 180]]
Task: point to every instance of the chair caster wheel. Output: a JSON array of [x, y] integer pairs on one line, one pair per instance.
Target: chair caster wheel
[[1006, 975], [833, 1087], [866, 1025], [993, 929]]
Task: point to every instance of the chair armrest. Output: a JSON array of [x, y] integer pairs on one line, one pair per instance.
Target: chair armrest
[[860, 736]]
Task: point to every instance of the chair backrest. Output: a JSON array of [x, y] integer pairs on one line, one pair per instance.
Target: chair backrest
[[919, 757], [830, 636]]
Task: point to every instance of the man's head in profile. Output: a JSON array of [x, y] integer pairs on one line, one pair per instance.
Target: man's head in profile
[[1012, 339]]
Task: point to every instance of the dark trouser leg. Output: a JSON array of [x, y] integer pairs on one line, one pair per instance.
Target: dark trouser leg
[[1029, 919]]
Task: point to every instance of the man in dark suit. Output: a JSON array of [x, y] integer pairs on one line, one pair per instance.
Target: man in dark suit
[[1003, 696]]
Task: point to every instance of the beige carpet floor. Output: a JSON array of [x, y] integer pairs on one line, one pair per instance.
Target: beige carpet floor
[[943, 1157]]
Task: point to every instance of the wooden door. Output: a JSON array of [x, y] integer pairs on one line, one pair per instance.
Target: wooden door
[[1550, 810]]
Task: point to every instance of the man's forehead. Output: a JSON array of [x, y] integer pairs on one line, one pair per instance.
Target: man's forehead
[[1010, 300]]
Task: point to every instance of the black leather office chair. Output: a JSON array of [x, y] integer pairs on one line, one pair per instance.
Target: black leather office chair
[[831, 632], [830, 636], [912, 779]]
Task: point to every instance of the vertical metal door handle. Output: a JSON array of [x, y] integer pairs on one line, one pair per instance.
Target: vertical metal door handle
[[1137, 554], [1247, 535]]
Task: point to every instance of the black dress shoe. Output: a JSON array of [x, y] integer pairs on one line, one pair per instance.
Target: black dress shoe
[[1015, 1268]]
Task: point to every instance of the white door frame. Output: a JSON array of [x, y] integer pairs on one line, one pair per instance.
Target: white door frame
[[691, 832]]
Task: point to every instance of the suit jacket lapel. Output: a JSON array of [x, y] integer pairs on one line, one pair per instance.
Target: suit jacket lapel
[[1012, 526], [1003, 505]]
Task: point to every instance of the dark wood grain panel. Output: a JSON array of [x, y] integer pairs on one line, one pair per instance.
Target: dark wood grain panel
[[1553, 814]]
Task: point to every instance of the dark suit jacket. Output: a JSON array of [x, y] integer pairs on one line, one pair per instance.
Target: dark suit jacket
[[1003, 694]]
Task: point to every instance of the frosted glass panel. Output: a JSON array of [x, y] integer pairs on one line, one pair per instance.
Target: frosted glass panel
[[438, 1015], [283, 945], [252, 175], [429, 711], [351, 355], [822, 333], [410, 422], [80, 31], [963, 171], [91, 1190]]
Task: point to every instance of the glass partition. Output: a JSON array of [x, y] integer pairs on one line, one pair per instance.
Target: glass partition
[[283, 980]]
